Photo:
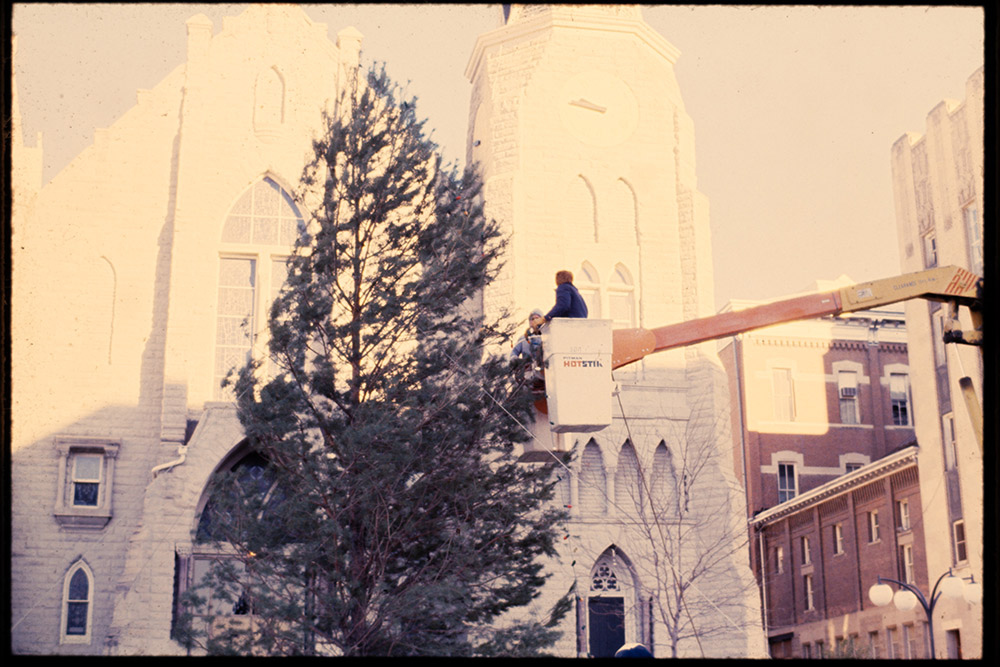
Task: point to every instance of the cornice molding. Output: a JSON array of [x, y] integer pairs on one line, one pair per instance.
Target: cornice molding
[[884, 467]]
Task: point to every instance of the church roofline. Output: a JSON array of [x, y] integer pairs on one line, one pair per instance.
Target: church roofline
[[560, 17]]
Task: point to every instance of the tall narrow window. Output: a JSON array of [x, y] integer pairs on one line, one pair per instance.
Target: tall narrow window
[[784, 394], [903, 515], [86, 479], [906, 563], [838, 538], [78, 595], [779, 560], [259, 234], [580, 210], [235, 324], [847, 384], [899, 393], [593, 498], [628, 486], [808, 589], [269, 100], [974, 234], [937, 337], [787, 487], [873, 535], [663, 498], [950, 443], [806, 554], [930, 250], [588, 283], [958, 534], [621, 299]]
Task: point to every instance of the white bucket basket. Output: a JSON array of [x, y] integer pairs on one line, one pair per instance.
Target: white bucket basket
[[578, 386]]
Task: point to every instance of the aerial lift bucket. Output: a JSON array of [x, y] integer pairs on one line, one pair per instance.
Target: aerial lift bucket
[[577, 363]]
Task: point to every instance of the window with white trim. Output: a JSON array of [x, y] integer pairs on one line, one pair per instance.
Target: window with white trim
[[873, 535], [838, 538], [806, 553], [847, 387], [906, 563], [808, 589], [787, 483], [77, 605], [958, 536], [86, 476], [899, 396], [258, 236], [903, 515]]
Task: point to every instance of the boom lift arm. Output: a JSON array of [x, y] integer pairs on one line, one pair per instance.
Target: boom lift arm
[[949, 284]]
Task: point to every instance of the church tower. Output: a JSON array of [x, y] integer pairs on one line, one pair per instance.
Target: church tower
[[587, 156]]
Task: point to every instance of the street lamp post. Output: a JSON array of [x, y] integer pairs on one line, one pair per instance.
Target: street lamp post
[[908, 595]]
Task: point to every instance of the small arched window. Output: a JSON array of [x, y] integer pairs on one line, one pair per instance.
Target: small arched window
[[77, 606], [588, 283], [621, 298]]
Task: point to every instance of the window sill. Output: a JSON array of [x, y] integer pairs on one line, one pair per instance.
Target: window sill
[[95, 518]]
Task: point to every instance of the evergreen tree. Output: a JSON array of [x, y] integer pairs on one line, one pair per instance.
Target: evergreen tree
[[385, 513]]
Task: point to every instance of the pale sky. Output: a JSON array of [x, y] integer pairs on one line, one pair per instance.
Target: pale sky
[[795, 109]]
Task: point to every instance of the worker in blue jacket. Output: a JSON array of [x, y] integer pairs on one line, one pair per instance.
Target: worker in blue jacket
[[569, 303]]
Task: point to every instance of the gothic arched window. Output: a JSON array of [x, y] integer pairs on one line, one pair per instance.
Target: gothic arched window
[[628, 482], [258, 235], [663, 486], [244, 494], [77, 606], [593, 480], [616, 613]]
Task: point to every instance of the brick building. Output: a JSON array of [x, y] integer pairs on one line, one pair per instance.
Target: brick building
[[816, 403], [822, 551], [136, 264], [816, 398]]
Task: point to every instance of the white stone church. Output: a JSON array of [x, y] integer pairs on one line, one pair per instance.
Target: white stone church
[[134, 266]]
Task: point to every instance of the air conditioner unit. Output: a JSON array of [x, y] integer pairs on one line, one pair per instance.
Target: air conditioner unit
[[848, 392]]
